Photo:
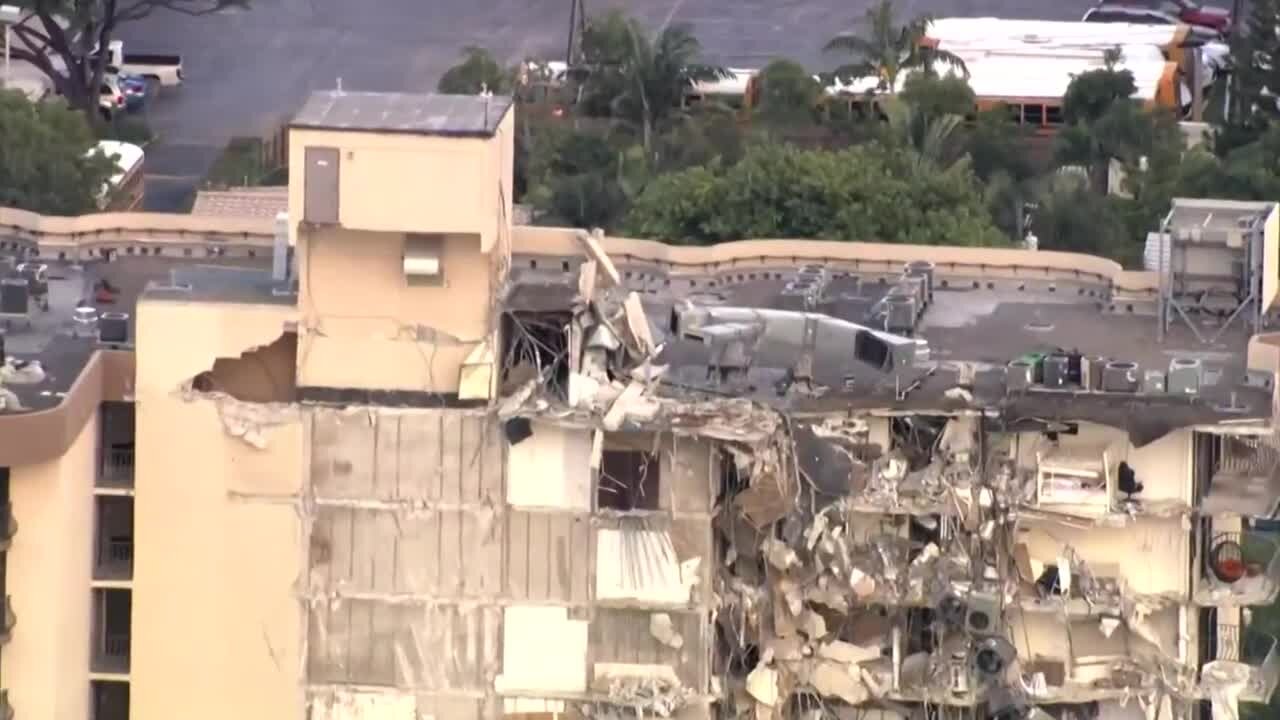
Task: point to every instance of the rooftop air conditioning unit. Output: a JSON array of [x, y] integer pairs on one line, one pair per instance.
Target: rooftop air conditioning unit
[[925, 269], [113, 327], [1019, 375], [1184, 376], [1121, 377], [982, 614], [1153, 382], [15, 297], [1057, 370]]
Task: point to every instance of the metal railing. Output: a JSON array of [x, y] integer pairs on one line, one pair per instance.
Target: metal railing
[[113, 654], [8, 620], [115, 559], [117, 468], [8, 526], [1228, 642]]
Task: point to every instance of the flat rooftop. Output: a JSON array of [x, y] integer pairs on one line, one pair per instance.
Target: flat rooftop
[[968, 329], [433, 114], [64, 346]]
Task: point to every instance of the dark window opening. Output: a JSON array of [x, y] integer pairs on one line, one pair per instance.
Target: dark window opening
[[1053, 114], [1033, 114], [629, 480], [110, 700]]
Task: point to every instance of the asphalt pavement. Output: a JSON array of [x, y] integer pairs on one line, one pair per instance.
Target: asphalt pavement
[[247, 71]]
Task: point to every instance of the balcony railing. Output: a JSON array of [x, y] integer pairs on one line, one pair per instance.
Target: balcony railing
[[1228, 642], [115, 559], [8, 619], [1240, 569], [113, 654], [8, 528], [117, 467]]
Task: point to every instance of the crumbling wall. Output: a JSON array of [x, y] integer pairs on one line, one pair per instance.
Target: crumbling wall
[[406, 545]]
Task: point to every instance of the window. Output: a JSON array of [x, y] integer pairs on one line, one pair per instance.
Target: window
[[629, 480], [1033, 114], [1053, 114]]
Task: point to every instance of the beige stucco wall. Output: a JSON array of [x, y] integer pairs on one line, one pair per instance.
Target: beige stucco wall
[[216, 627], [390, 182], [46, 664], [363, 326]]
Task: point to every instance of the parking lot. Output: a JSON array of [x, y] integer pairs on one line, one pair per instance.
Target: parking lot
[[247, 70]]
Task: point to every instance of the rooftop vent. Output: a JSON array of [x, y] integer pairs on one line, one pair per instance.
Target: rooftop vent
[[900, 315], [1121, 377]]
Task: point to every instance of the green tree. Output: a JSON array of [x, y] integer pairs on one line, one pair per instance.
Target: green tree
[[478, 71], [641, 78], [869, 193], [60, 38], [1071, 217], [573, 178], [1103, 122], [788, 94], [1255, 79], [888, 49], [47, 163]]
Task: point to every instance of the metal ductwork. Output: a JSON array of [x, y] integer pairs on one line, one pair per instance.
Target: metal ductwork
[[794, 333]]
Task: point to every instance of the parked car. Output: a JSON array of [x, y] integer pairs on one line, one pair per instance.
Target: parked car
[[1203, 18], [135, 90]]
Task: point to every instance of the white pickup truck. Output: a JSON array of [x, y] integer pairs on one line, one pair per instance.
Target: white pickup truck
[[165, 70]]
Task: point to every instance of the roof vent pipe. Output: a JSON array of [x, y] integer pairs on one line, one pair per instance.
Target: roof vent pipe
[[280, 249]]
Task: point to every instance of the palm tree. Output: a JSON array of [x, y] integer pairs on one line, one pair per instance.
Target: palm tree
[[888, 49], [646, 76]]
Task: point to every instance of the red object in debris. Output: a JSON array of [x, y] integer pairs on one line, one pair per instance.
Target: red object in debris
[[104, 297], [1226, 560]]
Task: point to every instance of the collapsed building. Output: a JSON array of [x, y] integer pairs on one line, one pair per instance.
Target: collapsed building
[[434, 465]]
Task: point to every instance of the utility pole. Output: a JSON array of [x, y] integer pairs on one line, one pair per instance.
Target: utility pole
[[577, 26]]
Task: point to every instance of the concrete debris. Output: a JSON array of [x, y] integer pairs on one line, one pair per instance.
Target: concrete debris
[[638, 324], [837, 530], [838, 680], [812, 625], [593, 247], [21, 372], [662, 628], [848, 653], [250, 422], [762, 684]]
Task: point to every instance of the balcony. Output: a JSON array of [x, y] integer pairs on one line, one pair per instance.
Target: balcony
[[115, 560], [1240, 569], [1244, 656], [111, 639], [8, 528], [117, 467], [114, 556], [7, 620]]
